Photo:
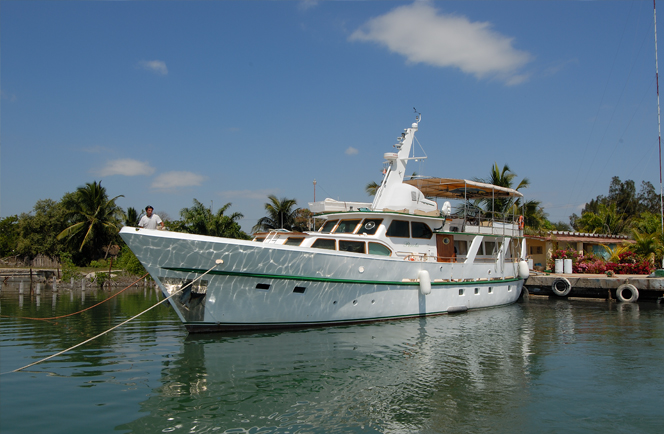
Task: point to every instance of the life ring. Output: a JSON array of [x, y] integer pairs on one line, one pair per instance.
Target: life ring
[[634, 293], [561, 287], [521, 223]]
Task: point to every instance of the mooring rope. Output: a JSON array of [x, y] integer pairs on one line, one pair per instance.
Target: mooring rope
[[80, 311], [219, 261]]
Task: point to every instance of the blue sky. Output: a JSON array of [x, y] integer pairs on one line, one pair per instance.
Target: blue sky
[[230, 101]]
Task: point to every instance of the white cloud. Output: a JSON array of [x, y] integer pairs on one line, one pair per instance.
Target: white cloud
[[126, 167], [173, 180], [248, 194], [157, 66], [351, 151], [422, 34], [307, 4]]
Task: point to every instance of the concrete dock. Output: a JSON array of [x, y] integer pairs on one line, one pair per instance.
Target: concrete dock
[[597, 286]]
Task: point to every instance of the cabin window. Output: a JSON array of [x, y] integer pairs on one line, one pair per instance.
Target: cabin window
[[351, 246], [259, 240], [421, 230], [461, 247], [324, 243], [489, 247], [379, 249], [346, 226], [327, 227], [399, 228], [294, 241], [370, 226]]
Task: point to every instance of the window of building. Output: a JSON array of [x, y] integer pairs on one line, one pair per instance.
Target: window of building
[[351, 246], [323, 243], [379, 249], [328, 226], [399, 228], [346, 226], [421, 230], [370, 226]]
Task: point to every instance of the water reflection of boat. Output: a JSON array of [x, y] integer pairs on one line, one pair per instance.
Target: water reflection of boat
[[400, 376], [397, 257]]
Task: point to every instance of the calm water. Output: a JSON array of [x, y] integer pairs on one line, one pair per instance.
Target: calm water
[[539, 366]]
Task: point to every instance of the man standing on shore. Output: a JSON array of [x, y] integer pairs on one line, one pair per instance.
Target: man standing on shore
[[150, 220]]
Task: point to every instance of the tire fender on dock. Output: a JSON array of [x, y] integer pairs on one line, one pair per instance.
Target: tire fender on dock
[[561, 287], [633, 293], [425, 282]]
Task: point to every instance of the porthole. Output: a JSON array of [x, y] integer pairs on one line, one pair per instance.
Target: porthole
[[490, 290], [477, 291], [299, 289], [262, 286], [461, 291]]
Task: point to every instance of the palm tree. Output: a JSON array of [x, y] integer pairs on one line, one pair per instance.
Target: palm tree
[[280, 215], [605, 221], [96, 218], [647, 246], [372, 188], [503, 178], [131, 218], [200, 220]]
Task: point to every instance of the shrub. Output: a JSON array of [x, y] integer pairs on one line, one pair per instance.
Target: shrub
[[129, 262], [69, 270]]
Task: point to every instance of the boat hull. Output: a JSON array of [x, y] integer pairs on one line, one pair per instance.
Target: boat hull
[[261, 286]]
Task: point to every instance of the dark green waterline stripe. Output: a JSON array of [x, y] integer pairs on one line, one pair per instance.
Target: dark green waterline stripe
[[340, 321], [323, 279]]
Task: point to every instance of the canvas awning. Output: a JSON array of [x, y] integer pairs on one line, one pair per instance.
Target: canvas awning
[[460, 189]]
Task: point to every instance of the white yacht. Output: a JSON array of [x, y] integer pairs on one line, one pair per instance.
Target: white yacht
[[398, 257]]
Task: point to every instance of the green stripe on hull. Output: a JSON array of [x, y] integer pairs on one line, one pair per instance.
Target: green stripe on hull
[[323, 279]]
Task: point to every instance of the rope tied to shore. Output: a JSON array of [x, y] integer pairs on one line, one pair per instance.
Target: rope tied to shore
[[80, 311], [218, 261]]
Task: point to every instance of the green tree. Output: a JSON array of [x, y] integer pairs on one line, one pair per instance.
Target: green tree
[[95, 219], [647, 223], [606, 220], [280, 215], [372, 188], [534, 215], [38, 230], [199, 219], [647, 246], [628, 204], [8, 236], [131, 217]]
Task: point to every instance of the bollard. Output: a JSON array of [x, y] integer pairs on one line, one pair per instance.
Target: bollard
[[71, 282], [38, 290], [55, 285], [20, 288], [83, 284]]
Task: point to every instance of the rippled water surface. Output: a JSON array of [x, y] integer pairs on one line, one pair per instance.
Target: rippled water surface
[[538, 366]]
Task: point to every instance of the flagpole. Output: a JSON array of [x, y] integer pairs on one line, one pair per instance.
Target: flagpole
[[659, 125]]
